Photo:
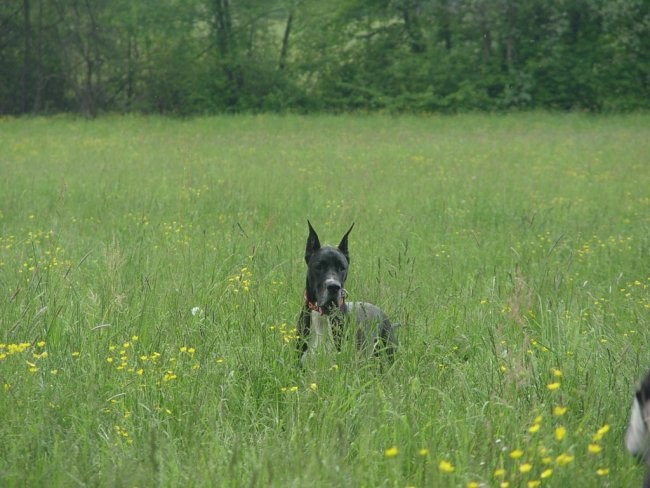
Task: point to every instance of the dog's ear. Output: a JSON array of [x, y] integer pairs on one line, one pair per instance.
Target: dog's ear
[[343, 245], [313, 244]]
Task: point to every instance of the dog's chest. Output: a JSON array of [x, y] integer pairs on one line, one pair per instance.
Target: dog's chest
[[320, 333]]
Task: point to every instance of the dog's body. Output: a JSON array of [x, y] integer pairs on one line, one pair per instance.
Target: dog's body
[[326, 315], [637, 436]]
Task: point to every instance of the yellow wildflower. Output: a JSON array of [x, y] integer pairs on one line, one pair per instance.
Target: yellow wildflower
[[602, 471], [169, 375], [391, 452], [546, 473], [564, 459], [446, 467], [499, 473], [516, 454], [600, 433], [559, 433], [525, 467], [423, 452], [553, 386], [559, 410], [594, 448]]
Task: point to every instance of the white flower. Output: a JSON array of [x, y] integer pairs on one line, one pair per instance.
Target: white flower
[[197, 311]]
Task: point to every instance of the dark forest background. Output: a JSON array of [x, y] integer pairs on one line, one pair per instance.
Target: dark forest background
[[188, 57]]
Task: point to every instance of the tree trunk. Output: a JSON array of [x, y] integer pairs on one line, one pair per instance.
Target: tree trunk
[[27, 58], [410, 17], [285, 41]]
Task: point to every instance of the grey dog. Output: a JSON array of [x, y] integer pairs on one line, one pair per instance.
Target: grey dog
[[326, 315]]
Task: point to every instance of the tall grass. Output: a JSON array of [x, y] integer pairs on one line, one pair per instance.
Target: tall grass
[[151, 274]]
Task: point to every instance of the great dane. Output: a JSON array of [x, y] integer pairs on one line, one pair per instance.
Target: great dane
[[326, 317]]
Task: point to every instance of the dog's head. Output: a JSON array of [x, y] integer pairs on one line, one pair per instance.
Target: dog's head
[[637, 437], [327, 269]]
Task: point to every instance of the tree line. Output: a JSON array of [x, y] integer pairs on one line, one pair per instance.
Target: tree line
[[188, 57]]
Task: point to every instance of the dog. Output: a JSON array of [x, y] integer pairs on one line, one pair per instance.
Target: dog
[[326, 315], [637, 436]]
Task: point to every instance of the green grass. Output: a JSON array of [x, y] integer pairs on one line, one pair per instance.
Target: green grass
[[513, 250]]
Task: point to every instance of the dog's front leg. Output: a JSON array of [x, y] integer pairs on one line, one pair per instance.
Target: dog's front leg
[[302, 331]]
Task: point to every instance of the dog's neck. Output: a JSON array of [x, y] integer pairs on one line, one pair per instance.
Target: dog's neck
[[314, 307]]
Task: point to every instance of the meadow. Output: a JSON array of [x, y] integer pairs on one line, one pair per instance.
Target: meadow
[[152, 271]]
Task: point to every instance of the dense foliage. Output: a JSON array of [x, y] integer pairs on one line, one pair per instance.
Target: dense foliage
[[213, 56]]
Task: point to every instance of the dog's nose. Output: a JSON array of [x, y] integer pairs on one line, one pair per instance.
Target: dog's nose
[[333, 287]]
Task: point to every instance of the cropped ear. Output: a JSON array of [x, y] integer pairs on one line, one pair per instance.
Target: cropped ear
[[313, 244], [343, 245]]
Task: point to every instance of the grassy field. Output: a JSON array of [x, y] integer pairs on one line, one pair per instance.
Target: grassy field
[[152, 270]]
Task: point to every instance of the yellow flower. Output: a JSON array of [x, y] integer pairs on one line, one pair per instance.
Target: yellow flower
[[473, 484], [504, 484], [423, 452], [446, 467], [525, 467], [293, 389], [546, 473], [556, 372], [559, 410], [594, 448], [499, 473], [391, 452], [564, 459], [533, 428], [602, 471], [560, 432], [600, 433], [534, 483], [516, 454], [553, 386], [313, 386], [40, 343]]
